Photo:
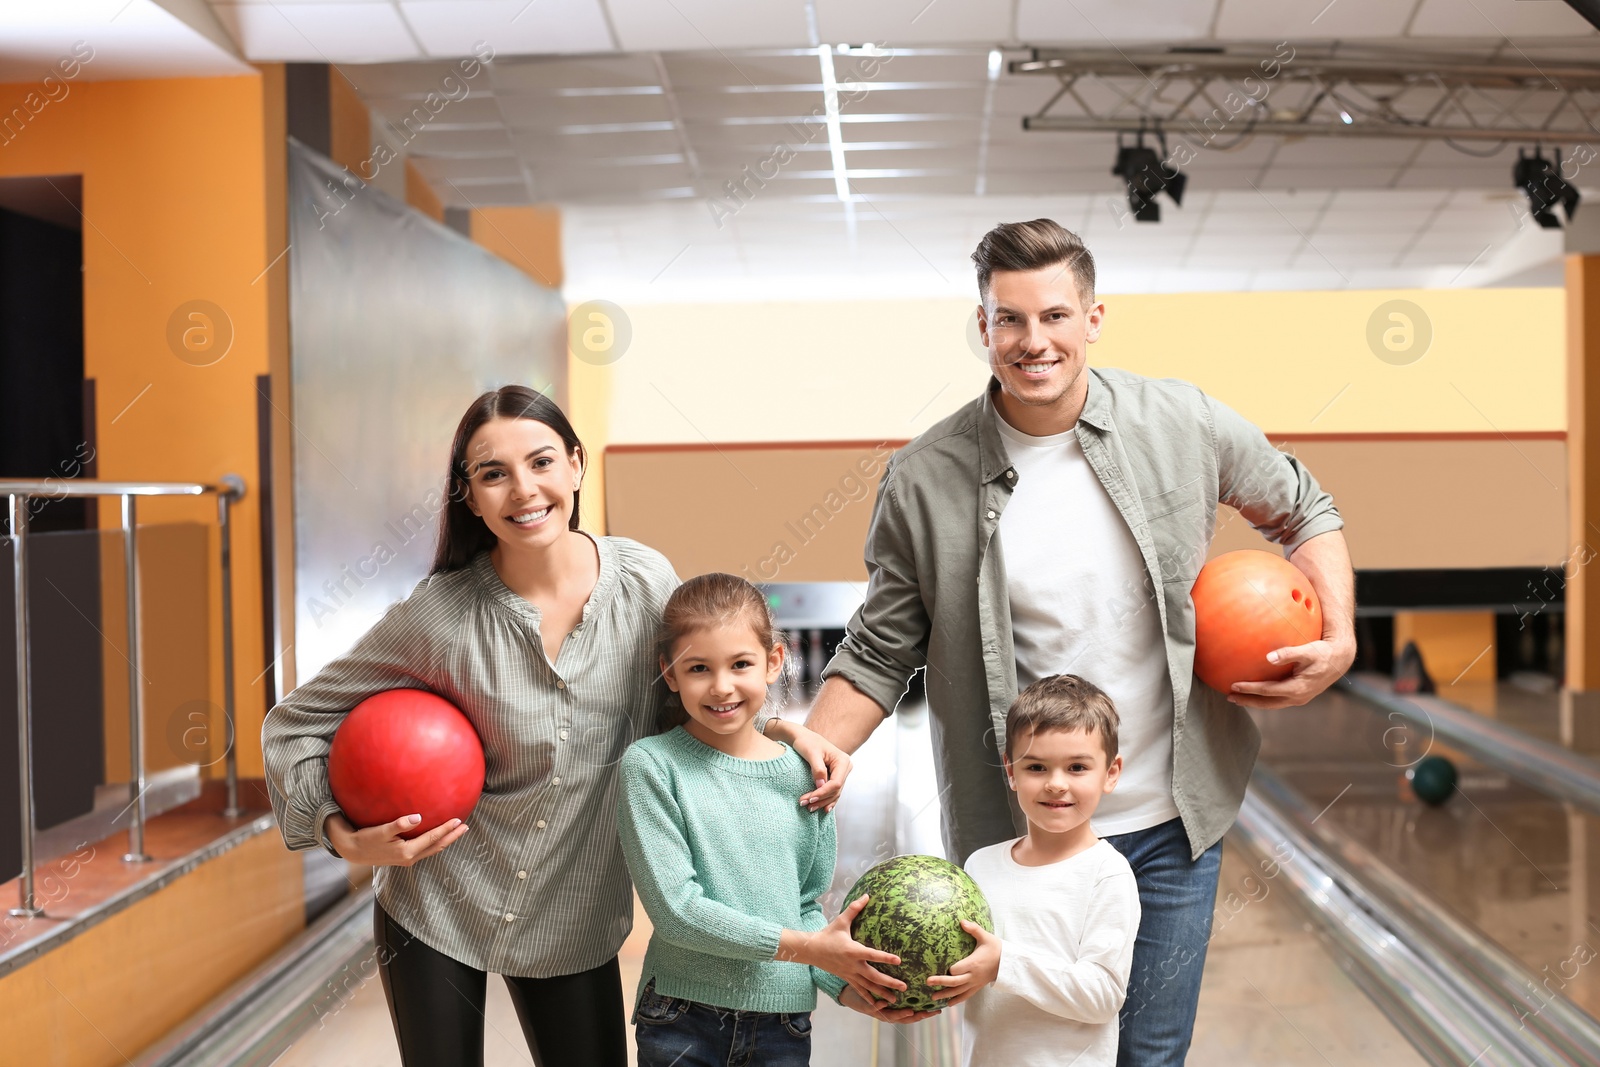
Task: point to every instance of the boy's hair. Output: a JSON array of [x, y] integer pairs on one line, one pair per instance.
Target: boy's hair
[[1063, 702], [1033, 246], [711, 600]]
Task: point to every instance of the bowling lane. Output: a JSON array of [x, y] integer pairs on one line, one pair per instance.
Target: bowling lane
[[1271, 993], [1513, 862]]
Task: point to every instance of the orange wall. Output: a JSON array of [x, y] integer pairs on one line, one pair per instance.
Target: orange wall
[[176, 209], [528, 238], [420, 195]]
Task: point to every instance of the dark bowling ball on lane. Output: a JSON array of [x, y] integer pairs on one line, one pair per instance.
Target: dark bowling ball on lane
[[1433, 779]]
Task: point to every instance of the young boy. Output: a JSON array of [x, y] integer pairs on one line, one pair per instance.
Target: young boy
[[1046, 987]]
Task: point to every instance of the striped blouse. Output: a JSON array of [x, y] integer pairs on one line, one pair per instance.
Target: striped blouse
[[538, 886]]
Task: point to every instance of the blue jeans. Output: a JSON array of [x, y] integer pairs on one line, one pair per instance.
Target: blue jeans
[[673, 1032], [1176, 898]]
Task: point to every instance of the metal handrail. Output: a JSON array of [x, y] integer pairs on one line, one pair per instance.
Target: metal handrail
[[1551, 769], [229, 490], [1395, 963], [1475, 961]]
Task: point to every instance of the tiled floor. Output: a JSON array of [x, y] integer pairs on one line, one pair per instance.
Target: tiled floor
[[1270, 996]]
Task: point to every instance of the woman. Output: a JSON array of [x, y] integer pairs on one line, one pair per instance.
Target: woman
[[544, 637]]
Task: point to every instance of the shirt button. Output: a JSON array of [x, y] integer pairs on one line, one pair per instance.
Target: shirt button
[[555, 781], [1011, 474], [560, 684], [509, 917], [563, 735], [991, 514], [540, 825], [524, 874]]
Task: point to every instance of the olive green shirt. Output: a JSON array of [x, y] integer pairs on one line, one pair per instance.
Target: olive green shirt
[[1167, 455]]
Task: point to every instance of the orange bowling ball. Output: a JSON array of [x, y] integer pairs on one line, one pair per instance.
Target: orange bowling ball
[[1245, 605], [404, 752]]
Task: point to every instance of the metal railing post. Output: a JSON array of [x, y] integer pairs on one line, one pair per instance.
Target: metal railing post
[[136, 784], [230, 490], [28, 906], [225, 503]]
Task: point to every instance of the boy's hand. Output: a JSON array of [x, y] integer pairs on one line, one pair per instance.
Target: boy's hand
[[968, 976], [833, 950], [881, 1010]]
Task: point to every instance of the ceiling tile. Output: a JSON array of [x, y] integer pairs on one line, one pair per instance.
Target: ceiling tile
[[1510, 19], [650, 25], [318, 32], [508, 27], [903, 22], [1301, 20], [1096, 23]]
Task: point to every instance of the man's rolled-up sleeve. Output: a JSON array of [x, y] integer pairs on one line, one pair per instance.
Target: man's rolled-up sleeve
[[1273, 490], [886, 640]]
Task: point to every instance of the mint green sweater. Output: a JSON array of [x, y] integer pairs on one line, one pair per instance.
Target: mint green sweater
[[724, 859]]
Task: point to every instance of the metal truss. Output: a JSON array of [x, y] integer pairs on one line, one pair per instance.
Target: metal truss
[[1221, 97]]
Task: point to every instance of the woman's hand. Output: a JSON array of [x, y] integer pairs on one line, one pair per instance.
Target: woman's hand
[[382, 845], [969, 975], [830, 764], [832, 949], [880, 1010]]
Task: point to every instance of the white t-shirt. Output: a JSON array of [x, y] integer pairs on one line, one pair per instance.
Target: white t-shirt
[[1066, 948], [1080, 605]]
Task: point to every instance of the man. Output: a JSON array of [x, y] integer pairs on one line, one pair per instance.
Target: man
[[1056, 525]]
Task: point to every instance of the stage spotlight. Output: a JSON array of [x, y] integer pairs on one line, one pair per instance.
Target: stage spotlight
[[1145, 175], [1540, 179]]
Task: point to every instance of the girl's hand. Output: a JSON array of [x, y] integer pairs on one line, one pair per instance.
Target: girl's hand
[[880, 1010], [830, 765], [382, 845], [968, 976], [833, 950]]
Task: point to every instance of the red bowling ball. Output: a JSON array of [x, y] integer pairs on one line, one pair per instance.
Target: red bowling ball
[[1247, 604], [402, 752]]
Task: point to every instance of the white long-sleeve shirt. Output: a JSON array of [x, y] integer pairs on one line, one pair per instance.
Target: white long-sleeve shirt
[[1066, 931]]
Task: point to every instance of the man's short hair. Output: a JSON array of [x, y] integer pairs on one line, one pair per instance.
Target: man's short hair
[[1034, 246], [1063, 702]]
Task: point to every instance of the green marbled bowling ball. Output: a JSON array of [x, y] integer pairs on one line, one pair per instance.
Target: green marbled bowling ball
[[1433, 779], [915, 911]]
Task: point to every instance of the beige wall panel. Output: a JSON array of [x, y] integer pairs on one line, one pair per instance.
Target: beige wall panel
[[1432, 503], [771, 513], [799, 513]]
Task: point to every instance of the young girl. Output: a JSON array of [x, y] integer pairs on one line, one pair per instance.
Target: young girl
[[727, 866]]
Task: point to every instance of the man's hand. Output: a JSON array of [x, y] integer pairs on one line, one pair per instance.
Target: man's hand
[[830, 764], [1316, 666], [1325, 560], [969, 975], [881, 1010]]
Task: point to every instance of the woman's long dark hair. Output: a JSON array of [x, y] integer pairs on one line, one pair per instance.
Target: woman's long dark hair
[[462, 535]]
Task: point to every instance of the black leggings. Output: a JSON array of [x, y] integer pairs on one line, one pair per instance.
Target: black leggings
[[437, 1006]]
